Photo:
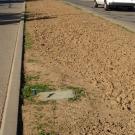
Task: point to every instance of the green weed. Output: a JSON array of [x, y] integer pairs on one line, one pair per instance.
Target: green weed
[[30, 78], [27, 41], [29, 88], [78, 92], [42, 132], [32, 61]]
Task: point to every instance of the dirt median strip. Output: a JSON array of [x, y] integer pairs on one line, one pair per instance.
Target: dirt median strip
[[66, 47]]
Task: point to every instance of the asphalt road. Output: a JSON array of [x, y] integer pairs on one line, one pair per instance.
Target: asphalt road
[[122, 15], [9, 24]]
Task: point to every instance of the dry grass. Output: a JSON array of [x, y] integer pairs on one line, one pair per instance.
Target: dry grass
[[73, 48]]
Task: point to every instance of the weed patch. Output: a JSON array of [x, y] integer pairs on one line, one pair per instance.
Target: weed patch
[[78, 92], [42, 132], [27, 41], [32, 61], [29, 78], [30, 90]]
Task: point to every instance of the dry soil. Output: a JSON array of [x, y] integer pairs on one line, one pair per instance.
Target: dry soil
[[74, 48]]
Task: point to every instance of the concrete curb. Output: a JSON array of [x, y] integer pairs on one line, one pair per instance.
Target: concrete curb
[[120, 23], [10, 114]]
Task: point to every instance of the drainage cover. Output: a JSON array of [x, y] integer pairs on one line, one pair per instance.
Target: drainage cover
[[55, 95]]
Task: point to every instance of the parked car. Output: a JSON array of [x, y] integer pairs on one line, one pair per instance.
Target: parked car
[[111, 3]]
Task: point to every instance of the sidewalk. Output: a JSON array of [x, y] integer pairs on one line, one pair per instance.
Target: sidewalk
[[9, 26]]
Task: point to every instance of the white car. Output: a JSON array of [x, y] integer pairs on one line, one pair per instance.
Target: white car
[[110, 3]]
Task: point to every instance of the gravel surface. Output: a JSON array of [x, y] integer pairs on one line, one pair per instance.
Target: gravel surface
[[74, 48]]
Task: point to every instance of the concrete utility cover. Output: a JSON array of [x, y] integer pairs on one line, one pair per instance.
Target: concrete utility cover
[[55, 95]]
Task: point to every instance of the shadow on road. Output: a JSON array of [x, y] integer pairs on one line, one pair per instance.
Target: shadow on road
[[37, 16], [118, 9], [10, 1], [32, 0], [123, 9], [9, 18]]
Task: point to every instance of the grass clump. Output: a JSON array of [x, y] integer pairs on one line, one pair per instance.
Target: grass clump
[[30, 90], [27, 41], [42, 132], [29, 78], [36, 88], [32, 60], [78, 92]]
